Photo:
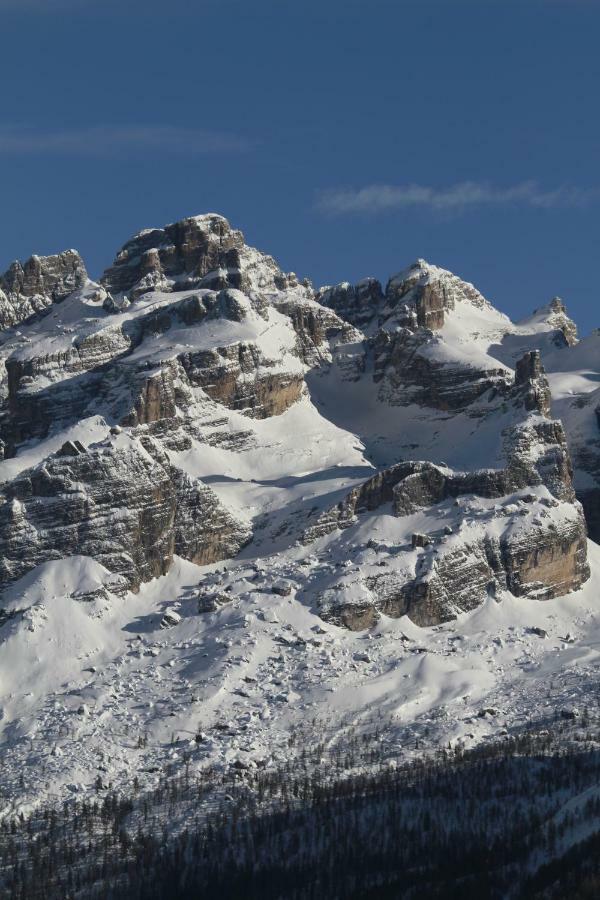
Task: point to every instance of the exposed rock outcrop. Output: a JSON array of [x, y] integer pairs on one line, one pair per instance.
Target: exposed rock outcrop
[[531, 377], [417, 297], [412, 371], [512, 548], [198, 252], [535, 450], [29, 288], [358, 304], [121, 505], [108, 370], [239, 377], [539, 563], [193, 327], [157, 398], [319, 331], [455, 571], [581, 417], [555, 318], [431, 291]]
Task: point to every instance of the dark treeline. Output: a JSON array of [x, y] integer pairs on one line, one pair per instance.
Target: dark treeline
[[488, 823]]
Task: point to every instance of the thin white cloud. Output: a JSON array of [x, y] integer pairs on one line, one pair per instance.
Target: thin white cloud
[[378, 198], [119, 140]]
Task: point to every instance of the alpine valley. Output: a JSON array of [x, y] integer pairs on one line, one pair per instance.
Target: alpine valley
[[248, 526]]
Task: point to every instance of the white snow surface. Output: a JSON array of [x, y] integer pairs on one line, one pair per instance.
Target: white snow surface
[[82, 682], [93, 681]]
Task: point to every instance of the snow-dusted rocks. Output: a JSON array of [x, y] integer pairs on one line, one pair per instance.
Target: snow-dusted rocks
[[573, 372], [414, 367], [319, 331], [224, 400], [534, 545], [419, 296], [432, 292], [198, 252], [30, 287], [142, 364], [118, 502], [358, 304], [232, 509], [531, 377], [553, 320], [170, 619]]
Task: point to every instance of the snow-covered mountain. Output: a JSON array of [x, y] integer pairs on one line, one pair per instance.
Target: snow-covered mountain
[[231, 504]]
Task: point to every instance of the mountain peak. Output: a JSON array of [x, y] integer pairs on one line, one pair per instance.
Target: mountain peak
[[552, 316], [432, 291], [201, 251], [212, 408], [30, 287]]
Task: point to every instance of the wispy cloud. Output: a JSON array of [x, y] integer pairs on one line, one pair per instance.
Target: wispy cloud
[[378, 198], [119, 140]]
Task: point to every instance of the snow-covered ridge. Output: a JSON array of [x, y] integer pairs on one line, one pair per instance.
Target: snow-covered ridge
[[213, 473]]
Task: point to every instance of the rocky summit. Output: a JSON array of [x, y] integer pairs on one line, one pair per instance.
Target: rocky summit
[[159, 374], [201, 444]]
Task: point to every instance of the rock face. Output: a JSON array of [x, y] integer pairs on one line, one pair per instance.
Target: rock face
[[105, 368], [576, 400], [556, 318], [198, 362], [358, 304], [585, 448], [541, 565], [238, 376], [432, 292], [201, 251], [403, 325], [538, 456], [452, 573], [435, 579], [419, 296], [121, 505], [531, 376], [318, 330], [29, 288], [410, 371]]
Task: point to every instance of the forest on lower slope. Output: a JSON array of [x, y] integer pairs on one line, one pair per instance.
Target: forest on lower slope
[[518, 818]]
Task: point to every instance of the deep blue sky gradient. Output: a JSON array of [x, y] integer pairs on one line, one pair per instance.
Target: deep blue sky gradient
[[256, 108]]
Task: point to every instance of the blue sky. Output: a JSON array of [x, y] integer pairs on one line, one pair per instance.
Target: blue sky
[[345, 137]]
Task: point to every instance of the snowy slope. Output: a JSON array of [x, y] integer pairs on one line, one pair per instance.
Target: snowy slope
[[276, 406], [77, 701]]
